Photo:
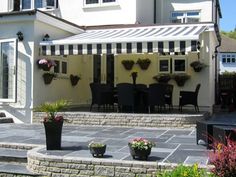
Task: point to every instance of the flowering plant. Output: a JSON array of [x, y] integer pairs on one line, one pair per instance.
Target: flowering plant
[[224, 158], [45, 64], [93, 144], [141, 144], [51, 110]]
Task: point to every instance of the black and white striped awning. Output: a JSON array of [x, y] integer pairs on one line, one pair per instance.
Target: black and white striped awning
[[148, 39]]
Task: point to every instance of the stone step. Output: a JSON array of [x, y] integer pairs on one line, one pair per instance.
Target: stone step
[[10, 170], [6, 120], [13, 155]]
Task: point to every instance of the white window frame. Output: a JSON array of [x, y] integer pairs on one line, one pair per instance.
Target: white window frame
[[169, 64], [179, 58], [60, 60], [101, 4], [13, 99], [185, 16]]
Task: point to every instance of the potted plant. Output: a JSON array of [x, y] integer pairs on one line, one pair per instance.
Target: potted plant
[[53, 123], [97, 149], [162, 78], [181, 78], [197, 66], [45, 64], [47, 77], [74, 79], [128, 64], [140, 148], [144, 63]]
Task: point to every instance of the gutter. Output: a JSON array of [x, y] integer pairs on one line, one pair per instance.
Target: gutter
[[154, 12], [217, 91]]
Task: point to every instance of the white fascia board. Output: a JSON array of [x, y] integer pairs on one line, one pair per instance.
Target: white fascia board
[[58, 23], [117, 40]]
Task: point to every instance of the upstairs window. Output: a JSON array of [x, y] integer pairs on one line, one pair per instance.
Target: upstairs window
[[185, 17], [98, 3], [33, 4], [228, 58]]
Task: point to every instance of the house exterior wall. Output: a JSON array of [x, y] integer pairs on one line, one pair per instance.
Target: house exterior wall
[[122, 13], [42, 92], [6, 5], [165, 7], [22, 108], [227, 66]]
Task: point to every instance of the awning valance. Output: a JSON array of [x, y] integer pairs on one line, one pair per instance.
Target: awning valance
[[147, 39]]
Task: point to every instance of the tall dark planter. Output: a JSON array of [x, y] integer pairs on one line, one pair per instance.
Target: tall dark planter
[[53, 135]]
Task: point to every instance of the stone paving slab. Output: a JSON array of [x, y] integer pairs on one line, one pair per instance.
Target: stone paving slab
[[172, 145]]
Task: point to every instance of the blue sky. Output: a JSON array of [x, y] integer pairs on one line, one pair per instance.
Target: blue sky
[[228, 22]]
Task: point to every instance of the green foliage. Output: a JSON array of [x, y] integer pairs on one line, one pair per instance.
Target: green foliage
[[96, 144], [229, 73], [185, 171], [231, 34], [52, 108]]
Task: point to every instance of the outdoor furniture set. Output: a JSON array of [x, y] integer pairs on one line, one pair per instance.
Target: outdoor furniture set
[[213, 131], [140, 97]]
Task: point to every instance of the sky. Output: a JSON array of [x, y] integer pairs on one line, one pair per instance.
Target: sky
[[228, 9]]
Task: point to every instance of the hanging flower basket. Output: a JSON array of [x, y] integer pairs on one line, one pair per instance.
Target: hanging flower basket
[[162, 78], [128, 64], [181, 79], [74, 79], [144, 63], [47, 77], [45, 64], [197, 66]]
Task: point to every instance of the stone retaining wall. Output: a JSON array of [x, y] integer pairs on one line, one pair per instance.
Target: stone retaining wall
[[128, 120], [88, 167]]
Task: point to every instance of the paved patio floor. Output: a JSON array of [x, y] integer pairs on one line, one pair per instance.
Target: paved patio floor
[[172, 145]]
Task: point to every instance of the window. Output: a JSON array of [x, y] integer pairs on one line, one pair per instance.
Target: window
[[38, 3], [8, 70], [61, 66], [97, 3], [185, 17], [228, 58], [179, 65], [32, 4], [164, 65], [26, 4]]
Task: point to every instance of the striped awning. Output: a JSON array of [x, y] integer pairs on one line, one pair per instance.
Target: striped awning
[[148, 39]]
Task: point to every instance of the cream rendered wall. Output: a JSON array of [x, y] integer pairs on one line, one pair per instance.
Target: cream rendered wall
[[74, 11], [167, 6], [60, 87]]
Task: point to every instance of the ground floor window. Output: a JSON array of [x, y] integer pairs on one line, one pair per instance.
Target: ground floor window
[[8, 70], [175, 64], [179, 65], [164, 65]]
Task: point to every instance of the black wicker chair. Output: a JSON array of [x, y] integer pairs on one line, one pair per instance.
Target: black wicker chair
[[189, 97], [102, 95], [168, 95], [156, 96], [125, 96]]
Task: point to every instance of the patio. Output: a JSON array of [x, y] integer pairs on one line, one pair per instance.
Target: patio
[[172, 146]]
